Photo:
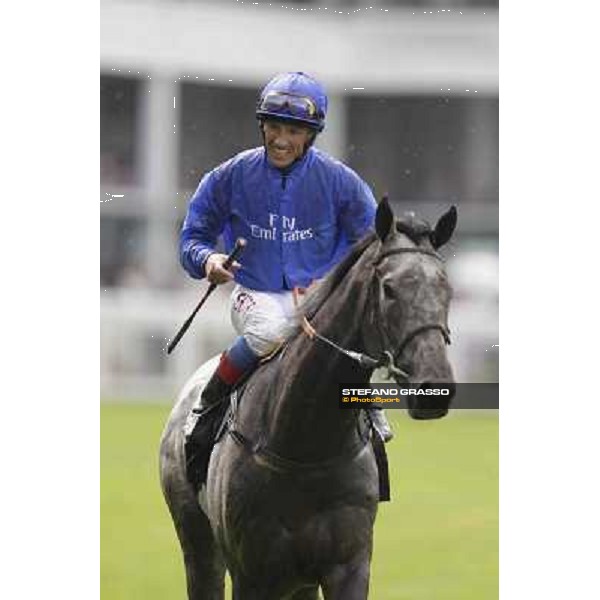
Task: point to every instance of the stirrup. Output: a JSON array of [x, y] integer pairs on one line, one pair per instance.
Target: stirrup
[[381, 424]]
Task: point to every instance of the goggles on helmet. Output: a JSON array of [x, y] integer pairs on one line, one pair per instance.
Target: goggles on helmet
[[284, 104]]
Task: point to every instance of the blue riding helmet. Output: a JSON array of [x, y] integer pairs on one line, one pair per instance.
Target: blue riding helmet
[[294, 97]]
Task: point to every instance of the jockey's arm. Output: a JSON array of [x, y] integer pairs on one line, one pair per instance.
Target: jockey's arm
[[357, 211], [204, 222]]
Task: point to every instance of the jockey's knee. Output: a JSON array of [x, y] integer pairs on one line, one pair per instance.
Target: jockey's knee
[[262, 346], [264, 338]]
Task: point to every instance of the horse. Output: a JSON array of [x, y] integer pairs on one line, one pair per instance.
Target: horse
[[292, 488]]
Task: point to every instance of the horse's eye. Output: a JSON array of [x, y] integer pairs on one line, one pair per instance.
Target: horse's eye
[[389, 290]]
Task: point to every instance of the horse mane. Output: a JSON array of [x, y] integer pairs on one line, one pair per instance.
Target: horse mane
[[333, 279], [414, 228]]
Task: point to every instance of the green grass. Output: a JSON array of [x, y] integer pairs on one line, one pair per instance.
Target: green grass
[[436, 540]]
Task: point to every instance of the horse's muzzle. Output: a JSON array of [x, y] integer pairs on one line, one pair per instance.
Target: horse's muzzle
[[434, 406]]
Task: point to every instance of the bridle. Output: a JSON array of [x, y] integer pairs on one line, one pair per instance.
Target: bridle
[[394, 356], [388, 356]]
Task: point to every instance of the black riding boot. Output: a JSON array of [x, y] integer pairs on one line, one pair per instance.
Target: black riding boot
[[201, 428], [215, 390], [203, 418]]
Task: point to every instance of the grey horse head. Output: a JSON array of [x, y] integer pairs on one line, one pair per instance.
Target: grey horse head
[[410, 301]]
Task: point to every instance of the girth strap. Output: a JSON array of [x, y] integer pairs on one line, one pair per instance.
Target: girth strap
[[276, 462]]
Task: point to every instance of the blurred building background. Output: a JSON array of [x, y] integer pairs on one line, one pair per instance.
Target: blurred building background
[[413, 89]]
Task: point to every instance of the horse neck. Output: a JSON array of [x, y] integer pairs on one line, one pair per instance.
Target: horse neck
[[304, 415]]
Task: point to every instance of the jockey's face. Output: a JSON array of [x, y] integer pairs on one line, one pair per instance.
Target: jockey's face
[[285, 142]]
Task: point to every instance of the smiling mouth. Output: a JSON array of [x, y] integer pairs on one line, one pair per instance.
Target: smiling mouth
[[280, 156]]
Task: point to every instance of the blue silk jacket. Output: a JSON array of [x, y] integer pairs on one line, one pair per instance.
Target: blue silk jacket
[[298, 223]]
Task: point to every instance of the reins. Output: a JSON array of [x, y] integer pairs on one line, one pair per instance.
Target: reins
[[388, 358]]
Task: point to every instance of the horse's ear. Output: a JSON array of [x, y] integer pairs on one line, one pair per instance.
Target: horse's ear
[[384, 217], [444, 228]]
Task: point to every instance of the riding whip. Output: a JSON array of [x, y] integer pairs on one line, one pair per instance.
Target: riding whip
[[240, 244]]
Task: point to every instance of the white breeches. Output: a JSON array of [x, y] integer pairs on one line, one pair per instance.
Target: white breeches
[[265, 319]]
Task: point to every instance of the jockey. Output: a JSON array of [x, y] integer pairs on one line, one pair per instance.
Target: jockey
[[300, 211]]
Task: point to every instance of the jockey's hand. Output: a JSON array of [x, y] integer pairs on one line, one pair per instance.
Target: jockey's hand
[[215, 273]]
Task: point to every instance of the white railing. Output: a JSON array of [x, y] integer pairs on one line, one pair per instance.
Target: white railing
[[136, 326], [134, 331]]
